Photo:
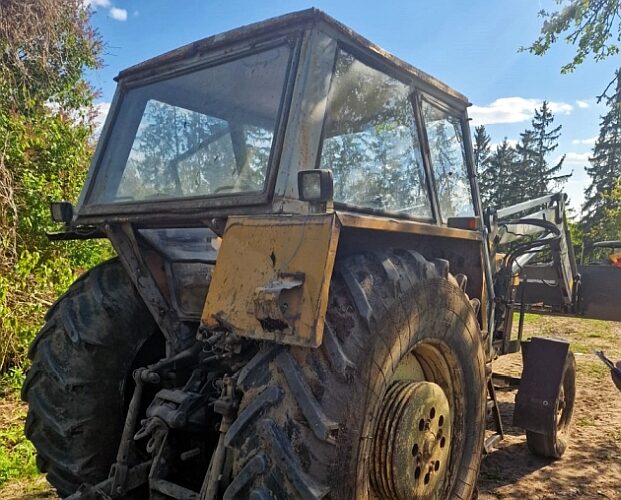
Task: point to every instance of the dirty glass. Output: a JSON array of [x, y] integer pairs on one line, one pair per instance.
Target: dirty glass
[[371, 141], [205, 133], [448, 162]]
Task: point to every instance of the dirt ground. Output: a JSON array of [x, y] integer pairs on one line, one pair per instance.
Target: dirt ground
[[590, 468], [591, 465]]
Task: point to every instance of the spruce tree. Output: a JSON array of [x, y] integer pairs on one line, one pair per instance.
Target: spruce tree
[[546, 177], [605, 167], [534, 175], [525, 182], [482, 151], [501, 178]]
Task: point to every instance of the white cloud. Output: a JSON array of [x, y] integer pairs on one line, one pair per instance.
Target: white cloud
[[589, 142], [115, 13], [573, 157], [513, 110], [582, 104], [118, 14]]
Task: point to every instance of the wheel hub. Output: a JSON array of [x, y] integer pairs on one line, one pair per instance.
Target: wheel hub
[[412, 441]]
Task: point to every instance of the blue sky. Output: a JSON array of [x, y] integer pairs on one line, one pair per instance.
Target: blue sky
[[472, 46]]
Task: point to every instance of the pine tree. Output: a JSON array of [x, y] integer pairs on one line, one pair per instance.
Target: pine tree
[[546, 177], [537, 177], [605, 168], [501, 176], [527, 164], [482, 151]]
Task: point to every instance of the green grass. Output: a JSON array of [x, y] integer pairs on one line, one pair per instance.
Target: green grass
[[17, 455], [11, 382], [585, 422], [595, 369]]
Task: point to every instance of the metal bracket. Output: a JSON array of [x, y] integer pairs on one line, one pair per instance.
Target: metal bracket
[[269, 302], [125, 243]]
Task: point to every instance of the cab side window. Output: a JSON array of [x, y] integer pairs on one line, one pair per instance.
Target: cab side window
[[371, 141], [448, 161]]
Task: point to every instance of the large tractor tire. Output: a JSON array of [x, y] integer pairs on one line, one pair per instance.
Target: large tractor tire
[[78, 386], [391, 406]]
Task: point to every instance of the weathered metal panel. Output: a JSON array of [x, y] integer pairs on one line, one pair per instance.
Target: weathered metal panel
[[283, 25], [601, 292], [272, 278], [384, 223]]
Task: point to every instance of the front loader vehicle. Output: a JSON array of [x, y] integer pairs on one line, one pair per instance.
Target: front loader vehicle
[[307, 299]]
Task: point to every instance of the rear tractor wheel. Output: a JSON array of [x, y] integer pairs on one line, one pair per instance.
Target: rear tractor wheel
[[392, 406], [77, 388]]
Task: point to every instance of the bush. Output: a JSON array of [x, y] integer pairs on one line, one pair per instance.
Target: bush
[[46, 111]]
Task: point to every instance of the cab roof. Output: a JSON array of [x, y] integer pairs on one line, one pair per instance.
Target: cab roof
[[282, 25]]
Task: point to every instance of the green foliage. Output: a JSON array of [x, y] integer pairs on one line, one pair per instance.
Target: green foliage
[[12, 380], [498, 176], [608, 227], [45, 128], [45, 46], [482, 152], [17, 455], [576, 235], [592, 27]]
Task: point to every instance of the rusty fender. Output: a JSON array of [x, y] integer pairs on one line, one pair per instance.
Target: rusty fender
[[272, 278]]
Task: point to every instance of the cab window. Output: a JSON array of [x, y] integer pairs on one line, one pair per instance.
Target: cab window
[[371, 141], [448, 161]]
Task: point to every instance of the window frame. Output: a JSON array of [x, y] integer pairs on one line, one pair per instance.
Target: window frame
[[460, 115], [87, 209]]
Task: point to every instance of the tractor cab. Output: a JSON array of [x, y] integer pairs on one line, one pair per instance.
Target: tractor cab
[[295, 116], [226, 124]]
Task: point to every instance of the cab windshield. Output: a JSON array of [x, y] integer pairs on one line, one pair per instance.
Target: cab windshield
[[204, 133]]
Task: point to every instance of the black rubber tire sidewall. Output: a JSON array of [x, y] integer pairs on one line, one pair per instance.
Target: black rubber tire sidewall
[[553, 443], [305, 439], [76, 386]]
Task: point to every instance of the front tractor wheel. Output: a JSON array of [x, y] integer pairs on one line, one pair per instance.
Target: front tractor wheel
[[77, 388], [392, 406], [553, 442]]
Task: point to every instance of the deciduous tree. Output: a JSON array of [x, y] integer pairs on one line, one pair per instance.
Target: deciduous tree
[[45, 127], [593, 27]]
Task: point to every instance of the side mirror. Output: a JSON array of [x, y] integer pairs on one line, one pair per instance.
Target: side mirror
[[316, 185], [62, 211]]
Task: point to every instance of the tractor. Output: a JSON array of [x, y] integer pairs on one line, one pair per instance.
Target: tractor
[[308, 297]]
